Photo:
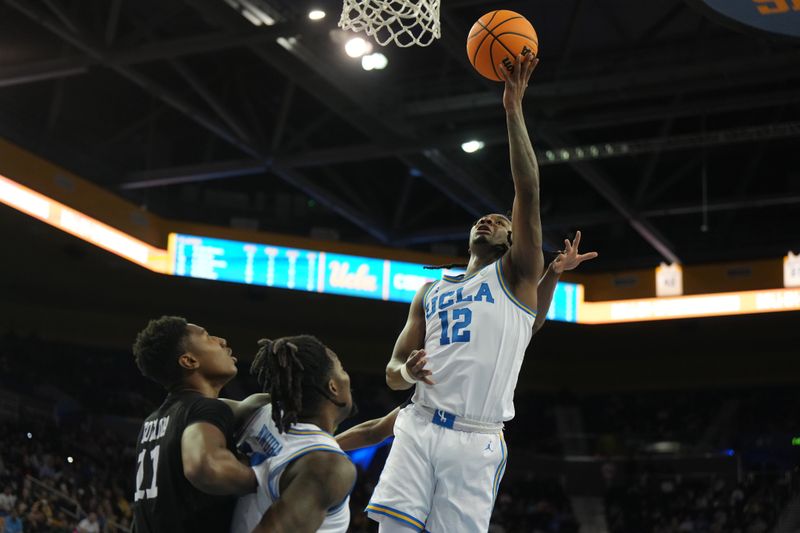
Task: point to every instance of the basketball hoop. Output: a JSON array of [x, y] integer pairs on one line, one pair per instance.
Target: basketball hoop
[[404, 22]]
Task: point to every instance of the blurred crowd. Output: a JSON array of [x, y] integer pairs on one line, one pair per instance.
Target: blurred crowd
[[679, 504], [62, 479]]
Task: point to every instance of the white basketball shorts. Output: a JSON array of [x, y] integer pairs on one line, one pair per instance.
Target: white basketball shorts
[[437, 479]]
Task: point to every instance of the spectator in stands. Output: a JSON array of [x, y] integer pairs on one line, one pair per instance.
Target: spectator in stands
[[8, 501], [37, 521], [89, 524], [60, 523], [13, 523]]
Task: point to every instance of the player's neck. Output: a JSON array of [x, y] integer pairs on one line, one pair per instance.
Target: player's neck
[[478, 262], [322, 420], [199, 384]]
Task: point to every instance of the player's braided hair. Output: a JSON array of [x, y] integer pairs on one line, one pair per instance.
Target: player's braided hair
[[294, 371]]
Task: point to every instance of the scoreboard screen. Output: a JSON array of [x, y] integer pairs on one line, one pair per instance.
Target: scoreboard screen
[[318, 271]]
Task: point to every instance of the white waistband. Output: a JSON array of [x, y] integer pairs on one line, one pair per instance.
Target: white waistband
[[461, 423]]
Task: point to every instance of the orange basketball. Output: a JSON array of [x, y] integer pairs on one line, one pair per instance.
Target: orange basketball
[[497, 38]]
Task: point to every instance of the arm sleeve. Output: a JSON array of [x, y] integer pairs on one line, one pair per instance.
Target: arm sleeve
[[213, 412]]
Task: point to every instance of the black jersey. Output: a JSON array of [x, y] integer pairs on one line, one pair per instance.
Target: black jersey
[[167, 502]]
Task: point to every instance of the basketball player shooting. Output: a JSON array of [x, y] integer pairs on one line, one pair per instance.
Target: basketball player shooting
[[377, 430], [471, 331]]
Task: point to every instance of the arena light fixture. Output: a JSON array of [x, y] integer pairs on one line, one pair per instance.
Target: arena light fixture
[[316, 14], [791, 270], [376, 61], [257, 12], [472, 146], [357, 47]]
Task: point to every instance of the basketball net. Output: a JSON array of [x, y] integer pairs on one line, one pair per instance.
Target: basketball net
[[404, 22]]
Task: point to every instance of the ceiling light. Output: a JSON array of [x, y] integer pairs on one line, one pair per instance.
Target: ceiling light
[[357, 47], [376, 61], [316, 14], [472, 146], [257, 12], [287, 43]]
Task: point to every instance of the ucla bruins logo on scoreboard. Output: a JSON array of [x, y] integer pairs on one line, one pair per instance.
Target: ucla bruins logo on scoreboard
[[777, 17]]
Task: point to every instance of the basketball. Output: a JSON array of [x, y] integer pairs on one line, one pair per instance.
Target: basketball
[[497, 38]]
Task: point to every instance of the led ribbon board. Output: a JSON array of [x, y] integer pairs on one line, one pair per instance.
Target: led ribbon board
[[82, 226], [318, 271], [364, 277], [694, 306]]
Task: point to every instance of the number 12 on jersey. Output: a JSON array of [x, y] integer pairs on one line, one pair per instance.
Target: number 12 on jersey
[[152, 492], [459, 319]]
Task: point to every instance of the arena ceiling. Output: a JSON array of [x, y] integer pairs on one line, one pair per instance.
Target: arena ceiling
[[661, 134]]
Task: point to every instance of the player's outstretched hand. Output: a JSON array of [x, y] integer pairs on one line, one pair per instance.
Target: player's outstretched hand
[[415, 365], [517, 80], [569, 258]]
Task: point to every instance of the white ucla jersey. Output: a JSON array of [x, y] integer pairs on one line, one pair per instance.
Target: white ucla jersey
[[270, 453], [476, 333]]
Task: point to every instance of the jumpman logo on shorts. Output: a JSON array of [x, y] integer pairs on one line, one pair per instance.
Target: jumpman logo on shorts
[[488, 446]]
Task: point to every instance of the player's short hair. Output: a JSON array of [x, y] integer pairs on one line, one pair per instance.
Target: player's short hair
[[294, 371], [157, 348]]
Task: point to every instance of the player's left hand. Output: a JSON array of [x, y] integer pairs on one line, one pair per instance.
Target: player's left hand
[[517, 80], [569, 258], [415, 365]]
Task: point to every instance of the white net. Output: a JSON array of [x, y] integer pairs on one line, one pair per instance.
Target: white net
[[404, 22]]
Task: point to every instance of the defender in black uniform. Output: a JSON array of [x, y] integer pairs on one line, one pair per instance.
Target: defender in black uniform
[[187, 475]]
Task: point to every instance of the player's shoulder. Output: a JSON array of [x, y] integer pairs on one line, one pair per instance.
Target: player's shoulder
[[333, 461], [336, 470], [189, 409], [198, 401], [426, 287]]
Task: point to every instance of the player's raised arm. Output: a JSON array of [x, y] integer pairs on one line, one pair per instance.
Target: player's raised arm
[[310, 487], [368, 433], [408, 355], [567, 259], [210, 466], [524, 262]]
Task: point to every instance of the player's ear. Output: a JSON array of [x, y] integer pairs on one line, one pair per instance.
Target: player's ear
[[188, 361], [332, 387]]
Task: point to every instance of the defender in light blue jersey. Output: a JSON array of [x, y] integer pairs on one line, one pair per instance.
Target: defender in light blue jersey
[[304, 477]]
